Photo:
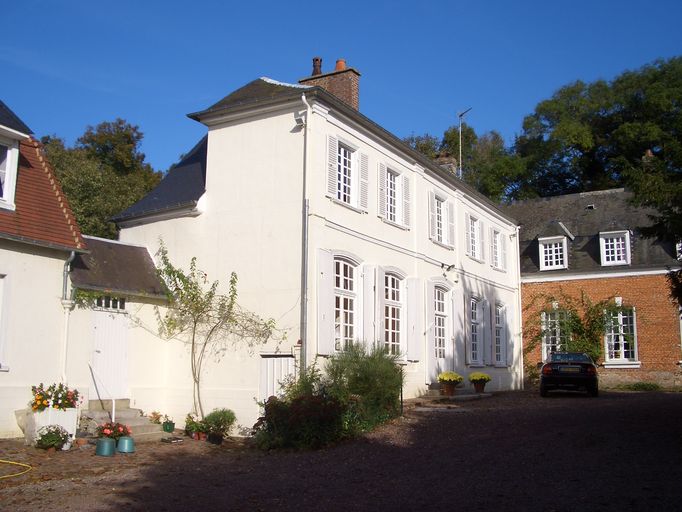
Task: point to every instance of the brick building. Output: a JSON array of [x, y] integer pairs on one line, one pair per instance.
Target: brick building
[[588, 248]]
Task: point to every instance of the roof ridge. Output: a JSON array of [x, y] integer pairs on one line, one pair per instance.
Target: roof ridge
[[284, 84]]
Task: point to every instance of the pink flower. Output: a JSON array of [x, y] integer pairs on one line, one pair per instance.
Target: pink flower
[[106, 431], [120, 429]]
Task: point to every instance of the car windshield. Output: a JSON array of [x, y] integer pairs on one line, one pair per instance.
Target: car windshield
[[570, 357]]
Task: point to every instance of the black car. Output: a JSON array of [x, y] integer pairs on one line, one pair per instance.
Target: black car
[[569, 370]]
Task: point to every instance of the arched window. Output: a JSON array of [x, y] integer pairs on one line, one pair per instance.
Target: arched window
[[439, 321], [345, 302], [393, 313]]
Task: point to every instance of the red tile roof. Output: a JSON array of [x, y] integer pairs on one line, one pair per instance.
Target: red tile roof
[[42, 215]]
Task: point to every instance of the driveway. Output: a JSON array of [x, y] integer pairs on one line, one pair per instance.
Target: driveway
[[513, 451]]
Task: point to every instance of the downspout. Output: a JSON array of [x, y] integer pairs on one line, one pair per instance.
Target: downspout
[[67, 304], [519, 299], [303, 331]]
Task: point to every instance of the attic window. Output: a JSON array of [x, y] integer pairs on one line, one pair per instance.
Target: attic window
[[553, 253], [614, 248], [109, 303], [9, 158]]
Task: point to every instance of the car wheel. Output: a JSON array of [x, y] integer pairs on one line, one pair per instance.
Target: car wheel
[[594, 391], [543, 390]]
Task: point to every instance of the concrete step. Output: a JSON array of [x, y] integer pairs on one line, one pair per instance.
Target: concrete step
[[133, 418], [122, 415], [105, 405]]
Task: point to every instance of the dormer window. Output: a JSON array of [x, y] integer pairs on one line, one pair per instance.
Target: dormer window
[[9, 158], [553, 253], [614, 248]]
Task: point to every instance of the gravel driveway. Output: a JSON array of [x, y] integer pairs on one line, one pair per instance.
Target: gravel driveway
[[514, 451]]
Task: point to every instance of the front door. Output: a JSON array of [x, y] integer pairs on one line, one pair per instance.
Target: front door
[[110, 350]]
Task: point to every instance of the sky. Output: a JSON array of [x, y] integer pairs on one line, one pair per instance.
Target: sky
[[72, 64]]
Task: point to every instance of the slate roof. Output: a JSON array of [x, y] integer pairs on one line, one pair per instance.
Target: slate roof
[[42, 215], [11, 120], [117, 268], [584, 216], [181, 188]]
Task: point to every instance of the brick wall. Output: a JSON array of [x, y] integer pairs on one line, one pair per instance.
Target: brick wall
[[657, 323], [344, 84]]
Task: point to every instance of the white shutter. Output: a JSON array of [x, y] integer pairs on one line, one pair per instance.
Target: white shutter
[[543, 326], [368, 305], [380, 299], [467, 233], [414, 336], [503, 251], [432, 215], [634, 332], [491, 242], [451, 224], [364, 179], [332, 165], [381, 200], [481, 242], [486, 333], [467, 329], [449, 329], [431, 361], [406, 201], [458, 315], [325, 302]]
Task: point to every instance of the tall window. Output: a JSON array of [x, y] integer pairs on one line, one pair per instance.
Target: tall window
[[394, 196], [554, 332], [4, 158], [474, 237], [621, 340], [391, 196], [344, 174], [499, 342], [344, 304], [615, 248], [392, 313], [498, 250], [9, 158], [552, 253], [475, 333], [439, 322], [440, 220]]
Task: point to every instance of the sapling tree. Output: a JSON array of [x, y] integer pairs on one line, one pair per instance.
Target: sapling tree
[[203, 318]]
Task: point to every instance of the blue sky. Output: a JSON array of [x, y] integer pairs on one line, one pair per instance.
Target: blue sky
[[69, 64]]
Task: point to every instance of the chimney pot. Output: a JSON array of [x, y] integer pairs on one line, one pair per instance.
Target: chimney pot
[[317, 66], [340, 65]]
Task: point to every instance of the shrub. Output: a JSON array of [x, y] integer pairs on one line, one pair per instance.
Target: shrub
[[220, 421], [641, 386], [52, 436]]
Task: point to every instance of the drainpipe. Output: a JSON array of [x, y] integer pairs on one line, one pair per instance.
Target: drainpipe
[[519, 299], [305, 206], [67, 304]]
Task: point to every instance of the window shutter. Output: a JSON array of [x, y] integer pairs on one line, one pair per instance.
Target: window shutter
[[414, 336], [467, 330], [449, 329], [432, 363], [467, 236], [380, 300], [406, 201], [634, 333], [325, 302], [451, 224], [332, 165], [481, 242], [432, 215], [381, 200], [364, 179], [491, 242], [486, 328], [503, 251], [543, 327], [458, 323], [368, 306]]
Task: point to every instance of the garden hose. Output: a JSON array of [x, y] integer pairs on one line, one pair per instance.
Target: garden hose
[[15, 464]]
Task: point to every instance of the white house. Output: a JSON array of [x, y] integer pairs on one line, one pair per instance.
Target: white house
[[339, 232]]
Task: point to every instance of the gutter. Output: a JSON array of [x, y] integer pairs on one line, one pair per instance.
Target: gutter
[[67, 304], [305, 206]]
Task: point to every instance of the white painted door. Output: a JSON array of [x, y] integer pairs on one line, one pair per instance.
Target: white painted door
[[110, 355], [274, 369]]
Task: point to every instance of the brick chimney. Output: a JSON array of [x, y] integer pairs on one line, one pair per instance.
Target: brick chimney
[[343, 82]]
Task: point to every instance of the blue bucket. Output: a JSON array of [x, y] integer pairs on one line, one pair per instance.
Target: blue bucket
[[106, 447], [126, 444]]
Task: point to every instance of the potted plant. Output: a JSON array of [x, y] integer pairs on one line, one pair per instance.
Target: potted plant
[[168, 424], [109, 434], [155, 417], [52, 405], [53, 437], [448, 380], [219, 422], [191, 426], [479, 380]]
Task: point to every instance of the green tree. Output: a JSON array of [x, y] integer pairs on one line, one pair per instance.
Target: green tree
[[426, 144], [205, 320], [102, 174]]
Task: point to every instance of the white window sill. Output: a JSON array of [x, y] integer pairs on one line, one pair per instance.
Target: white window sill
[[615, 264], [7, 206], [622, 364], [393, 223], [563, 267], [499, 269], [476, 259], [443, 244], [349, 206]]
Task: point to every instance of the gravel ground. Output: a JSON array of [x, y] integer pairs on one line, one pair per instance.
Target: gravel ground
[[513, 451]]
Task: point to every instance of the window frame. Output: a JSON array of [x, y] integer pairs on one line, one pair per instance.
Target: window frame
[[476, 331], [553, 240], [440, 321], [551, 329], [394, 313], [10, 173], [499, 334], [498, 249], [619, 331], [604, 237], [442, 212], [341, 294]]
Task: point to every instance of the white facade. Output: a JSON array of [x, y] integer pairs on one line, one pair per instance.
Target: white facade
[[263, 169]]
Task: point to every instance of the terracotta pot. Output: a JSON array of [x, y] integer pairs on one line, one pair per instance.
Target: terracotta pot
[[479, 387], [202, 436], [447, 388]]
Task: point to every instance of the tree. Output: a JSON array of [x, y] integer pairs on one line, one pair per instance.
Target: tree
[[102, 174], [204, 319], [426, 144]]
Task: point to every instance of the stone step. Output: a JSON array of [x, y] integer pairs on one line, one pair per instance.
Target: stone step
[[122, 415], [105, 405]]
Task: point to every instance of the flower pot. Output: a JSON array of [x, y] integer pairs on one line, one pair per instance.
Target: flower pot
[[168, 426], [67, 446], [479, 387], [125, 444], [202, 436], [447, 388], [106, 447], [215, 438], [68, 419]]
